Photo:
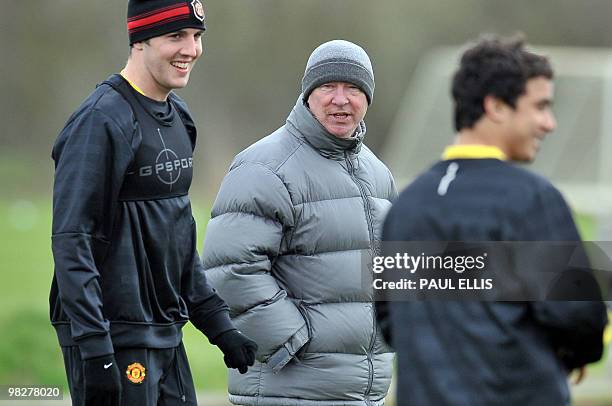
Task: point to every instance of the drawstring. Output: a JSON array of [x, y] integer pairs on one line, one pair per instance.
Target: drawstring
[[178, 375]]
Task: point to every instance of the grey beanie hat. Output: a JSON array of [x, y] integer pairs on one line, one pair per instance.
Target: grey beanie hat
[[339, 61]]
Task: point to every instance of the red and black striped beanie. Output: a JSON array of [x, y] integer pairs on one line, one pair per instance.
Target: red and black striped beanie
[[151, 18]]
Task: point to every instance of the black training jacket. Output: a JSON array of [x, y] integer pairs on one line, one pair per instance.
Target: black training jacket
[[127, 273], [486, 353]]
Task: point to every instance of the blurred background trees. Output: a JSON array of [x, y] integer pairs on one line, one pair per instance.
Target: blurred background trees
[[55, 52]]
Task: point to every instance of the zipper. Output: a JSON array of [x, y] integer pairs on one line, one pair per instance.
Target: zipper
[[366, 203], [370, 361], [178, 376], [372, 249]]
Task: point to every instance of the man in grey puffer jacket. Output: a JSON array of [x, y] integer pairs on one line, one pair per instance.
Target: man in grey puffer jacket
[[289, 226]]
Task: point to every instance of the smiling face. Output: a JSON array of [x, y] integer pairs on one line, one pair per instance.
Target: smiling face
[[339, 107], [528, 123], [167, 60]]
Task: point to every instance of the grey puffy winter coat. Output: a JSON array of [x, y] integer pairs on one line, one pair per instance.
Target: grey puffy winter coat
[[283, 248]]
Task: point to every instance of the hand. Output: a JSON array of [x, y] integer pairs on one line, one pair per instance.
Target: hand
[[102, 381], [238, 350]]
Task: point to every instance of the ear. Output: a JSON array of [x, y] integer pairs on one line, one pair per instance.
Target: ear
[[138, 45], [495, 109]]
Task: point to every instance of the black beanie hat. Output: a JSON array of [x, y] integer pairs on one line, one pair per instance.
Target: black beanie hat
[[152, 18]]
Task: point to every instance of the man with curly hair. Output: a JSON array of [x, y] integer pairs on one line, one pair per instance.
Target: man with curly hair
[[473, 352]]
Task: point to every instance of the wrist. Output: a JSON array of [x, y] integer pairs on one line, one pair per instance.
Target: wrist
[[95, 346], [215, 325], [222, 336]]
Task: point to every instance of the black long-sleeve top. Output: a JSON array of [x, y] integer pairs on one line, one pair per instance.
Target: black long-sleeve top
[[127, 273], [486, 353]]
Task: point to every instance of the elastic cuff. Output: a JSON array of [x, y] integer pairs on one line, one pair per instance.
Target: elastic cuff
[[95, 346], [215, 325], [216, 339]]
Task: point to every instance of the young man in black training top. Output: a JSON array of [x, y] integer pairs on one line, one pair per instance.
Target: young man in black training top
[[490, 353], [127, 274]]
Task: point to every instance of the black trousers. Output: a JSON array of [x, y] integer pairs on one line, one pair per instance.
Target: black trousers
[[167, 379]]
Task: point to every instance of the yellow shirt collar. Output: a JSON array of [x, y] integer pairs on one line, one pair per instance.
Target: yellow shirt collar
[[133, 85], [473, 152]]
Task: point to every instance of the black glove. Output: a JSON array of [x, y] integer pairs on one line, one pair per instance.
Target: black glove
[[102, 381], [238, 350]]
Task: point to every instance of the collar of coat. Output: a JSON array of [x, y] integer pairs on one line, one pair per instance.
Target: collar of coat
[[303, 124]]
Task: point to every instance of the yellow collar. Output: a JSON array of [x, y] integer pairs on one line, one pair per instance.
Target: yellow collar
[[472, 152], [133, 85]]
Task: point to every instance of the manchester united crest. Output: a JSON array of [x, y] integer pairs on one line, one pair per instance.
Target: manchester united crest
[[198, 9], [135, 372]]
